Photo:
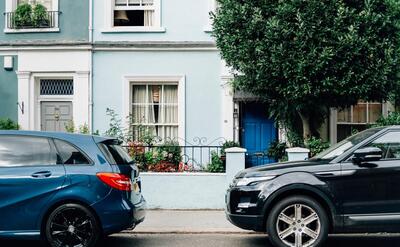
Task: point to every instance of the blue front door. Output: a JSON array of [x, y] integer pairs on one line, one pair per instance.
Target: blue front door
[[258, 131]]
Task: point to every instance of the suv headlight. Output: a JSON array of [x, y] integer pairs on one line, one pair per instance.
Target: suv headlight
[[252, 180]]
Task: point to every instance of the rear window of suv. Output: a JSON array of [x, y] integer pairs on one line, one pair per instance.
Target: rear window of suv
[[115, 153]]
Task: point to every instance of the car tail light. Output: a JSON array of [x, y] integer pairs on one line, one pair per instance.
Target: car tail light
[[116, 181]]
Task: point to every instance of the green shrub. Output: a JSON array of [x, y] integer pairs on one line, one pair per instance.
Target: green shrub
[[170, 152], [216, 165], [228, 144], [8, 124], [277, 150], [70, 127], [316, 145], [40, 16], [392, 119], [23, 16]]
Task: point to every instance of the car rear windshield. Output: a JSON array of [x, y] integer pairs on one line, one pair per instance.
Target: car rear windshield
[[115, 153]]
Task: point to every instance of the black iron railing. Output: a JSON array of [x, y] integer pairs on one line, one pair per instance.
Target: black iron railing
[[49, 20], [180, 158]]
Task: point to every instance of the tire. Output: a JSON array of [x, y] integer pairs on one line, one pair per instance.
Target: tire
[[72, 225], [307, 228]]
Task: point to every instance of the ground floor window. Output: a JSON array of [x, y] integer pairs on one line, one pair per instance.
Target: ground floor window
[[357, 118], [154, 111]]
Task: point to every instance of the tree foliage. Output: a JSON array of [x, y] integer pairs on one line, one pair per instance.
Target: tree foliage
[[304, 56]]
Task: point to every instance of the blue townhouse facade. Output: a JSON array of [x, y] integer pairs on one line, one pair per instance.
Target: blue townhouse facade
[[156, 61], [152, 61], [45, 74]]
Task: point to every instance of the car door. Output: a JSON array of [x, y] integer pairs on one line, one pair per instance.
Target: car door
[[29, 177], [371, 192]]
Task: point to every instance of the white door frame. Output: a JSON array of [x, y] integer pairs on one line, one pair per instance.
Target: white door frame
[[29, 97], [49, 98]]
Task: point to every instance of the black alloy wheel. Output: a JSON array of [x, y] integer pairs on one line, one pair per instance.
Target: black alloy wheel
[[72, 225]]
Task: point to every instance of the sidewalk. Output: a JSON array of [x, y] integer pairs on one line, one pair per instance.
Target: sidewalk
[[171, 221]]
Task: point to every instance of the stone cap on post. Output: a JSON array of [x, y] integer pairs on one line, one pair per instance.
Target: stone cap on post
[[297, 153], [235, 150]]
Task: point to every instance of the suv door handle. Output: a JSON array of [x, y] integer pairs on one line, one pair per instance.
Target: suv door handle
[[43, 174]]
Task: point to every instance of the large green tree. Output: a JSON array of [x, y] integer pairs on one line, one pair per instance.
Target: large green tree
[[303, 57]]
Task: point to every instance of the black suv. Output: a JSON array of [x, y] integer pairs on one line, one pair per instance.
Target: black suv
[[353, 187]]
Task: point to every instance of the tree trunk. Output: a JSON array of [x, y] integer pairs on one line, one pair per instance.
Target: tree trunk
[[306, 126]]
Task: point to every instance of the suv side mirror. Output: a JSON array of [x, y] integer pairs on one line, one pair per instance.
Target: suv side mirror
[[367, 154]]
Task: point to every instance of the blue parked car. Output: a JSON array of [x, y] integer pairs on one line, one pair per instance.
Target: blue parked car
[[67, 189]]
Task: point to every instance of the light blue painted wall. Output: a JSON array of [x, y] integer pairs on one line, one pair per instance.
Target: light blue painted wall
[[207, 191], [203, 90], [8, 91], [74, 24], [171, 191], [184, 20]]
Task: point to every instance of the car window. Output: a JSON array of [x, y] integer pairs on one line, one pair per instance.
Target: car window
[[389, 143], [115, 153], [26, 151], [69, 154], [343, 146]]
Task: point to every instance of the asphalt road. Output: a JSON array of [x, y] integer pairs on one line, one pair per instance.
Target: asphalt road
[[220, 240]]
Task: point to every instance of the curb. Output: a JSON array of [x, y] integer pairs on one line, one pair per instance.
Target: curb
[[187, 232]]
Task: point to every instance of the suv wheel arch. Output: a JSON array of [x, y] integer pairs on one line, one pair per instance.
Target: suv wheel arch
[[303, 190]]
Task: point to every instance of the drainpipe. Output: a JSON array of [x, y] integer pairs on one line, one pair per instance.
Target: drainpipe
[[91, 66]]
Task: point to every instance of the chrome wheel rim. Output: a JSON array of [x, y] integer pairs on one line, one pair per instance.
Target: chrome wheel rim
[[298, 225], [71, 227]]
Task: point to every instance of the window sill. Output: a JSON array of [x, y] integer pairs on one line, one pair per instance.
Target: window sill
[[33, 30], [134, 30]]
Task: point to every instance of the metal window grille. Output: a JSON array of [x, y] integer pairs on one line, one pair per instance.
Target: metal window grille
[[56, 87]]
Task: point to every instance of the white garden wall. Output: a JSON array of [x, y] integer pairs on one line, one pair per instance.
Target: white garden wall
[[191, 190]]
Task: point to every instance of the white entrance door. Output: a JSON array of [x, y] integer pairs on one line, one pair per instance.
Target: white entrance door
[[55, 115]]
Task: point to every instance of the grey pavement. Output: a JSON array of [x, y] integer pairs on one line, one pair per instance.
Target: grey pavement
[[175, 221]]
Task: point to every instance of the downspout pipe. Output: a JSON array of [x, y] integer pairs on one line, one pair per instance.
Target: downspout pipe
[[91, 14]]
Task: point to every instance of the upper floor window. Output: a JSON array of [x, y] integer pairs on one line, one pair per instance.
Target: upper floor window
[[133, 15], [31, 16]]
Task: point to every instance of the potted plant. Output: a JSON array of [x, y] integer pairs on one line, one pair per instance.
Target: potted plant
[[23, 16], [40, 17]]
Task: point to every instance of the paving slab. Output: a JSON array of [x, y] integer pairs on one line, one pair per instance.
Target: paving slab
[[187, 221]]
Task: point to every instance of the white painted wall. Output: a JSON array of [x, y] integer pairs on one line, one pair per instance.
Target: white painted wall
[[192, 190], [184, 190], [36, 64]]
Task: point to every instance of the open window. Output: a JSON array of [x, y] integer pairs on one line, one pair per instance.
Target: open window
[[134, 15]]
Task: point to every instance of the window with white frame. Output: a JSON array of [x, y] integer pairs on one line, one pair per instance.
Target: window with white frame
[[135, 13], [155, 110], [44, 22]]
